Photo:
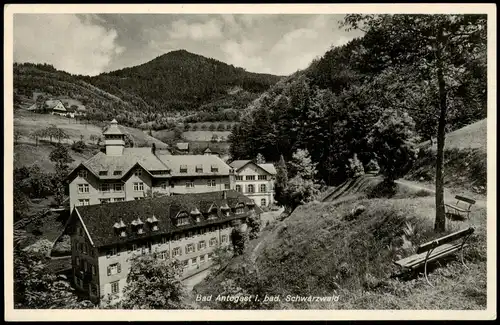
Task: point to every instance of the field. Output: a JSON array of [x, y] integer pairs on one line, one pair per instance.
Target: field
[[27, 153], [205, 135], [472, 136]]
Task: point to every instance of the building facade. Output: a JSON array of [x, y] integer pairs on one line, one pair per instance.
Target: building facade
[[189, 227], [126, 174], [255, 181]]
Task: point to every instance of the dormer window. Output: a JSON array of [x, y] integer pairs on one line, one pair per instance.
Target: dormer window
[[199, 168], [153, 223], [117, 172], [212, 214], [103, 173], [138, 172], [214, 168], [138, 226], [183, 219], [83, 173], [196, 214], [240, 208], [225, 209], [120, 228], [183, 169]]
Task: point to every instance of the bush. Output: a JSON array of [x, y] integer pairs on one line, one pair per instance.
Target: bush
[[62, 246], [78, 146], [355, 167]]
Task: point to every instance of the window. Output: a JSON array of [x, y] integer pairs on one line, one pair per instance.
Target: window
[[138, 172], [239, 209], [104, 201], [182, 221], [83, 202], [103, 173], [119, 199], [238, 188], [164, 240], [251, 188], [262, 177], [138, 198], [202, 245], [83, 173], [239, 178], [117, 172], [224, 238], [114, 269], [83, 188], [214, 168], [94, 272], [263, 202], [210, 256], [77, 261], [199, 168], [115, 287], [85, 265], [250, 177], [189, 248], [138, 187], [183, 169], [189, 184], [213, 242], [203, 259], [193, 261], [227, 186], [185, 263], [163, 255], [104, 187], [211, 183], [164, 186], [176, 251], [263, 188], [118, 187]]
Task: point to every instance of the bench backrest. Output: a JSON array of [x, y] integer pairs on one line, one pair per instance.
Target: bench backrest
[[444, 240], [465, 199]]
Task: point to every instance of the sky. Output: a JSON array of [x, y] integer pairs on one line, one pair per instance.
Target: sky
[[90, 44]]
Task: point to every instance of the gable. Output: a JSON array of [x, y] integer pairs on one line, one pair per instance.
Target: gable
[[252, 168]]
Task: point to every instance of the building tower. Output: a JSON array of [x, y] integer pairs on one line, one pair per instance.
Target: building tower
[[114, 140]]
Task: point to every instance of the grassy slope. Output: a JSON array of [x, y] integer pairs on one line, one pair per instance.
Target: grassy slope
[[465, 160], [316, 251]]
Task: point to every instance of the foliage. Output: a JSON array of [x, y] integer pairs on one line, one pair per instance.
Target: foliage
[[239, 240], [300, 191], [78, 146], [281, 182], [153, 284], [391, 140], [373, 166], [32, 181], [254, 223], [63, 245], [260, 159], [36, 287], [60, 156], [355, 166]]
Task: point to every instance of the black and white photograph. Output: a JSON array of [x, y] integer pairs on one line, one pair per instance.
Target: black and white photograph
[[296, 161]]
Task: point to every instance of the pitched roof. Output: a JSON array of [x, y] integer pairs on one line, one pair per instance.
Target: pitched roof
[[237, 164], [268, 167], [51, 103], [192, 161], [207, 150], [113, 129], [100, 219], [182, 145], [130, 157]]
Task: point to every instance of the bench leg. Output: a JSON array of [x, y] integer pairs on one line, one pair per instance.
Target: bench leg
[[462, 250], [425, 267]]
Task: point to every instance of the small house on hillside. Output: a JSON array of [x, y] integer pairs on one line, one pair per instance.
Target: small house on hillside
[[208, 152], [56, 107]]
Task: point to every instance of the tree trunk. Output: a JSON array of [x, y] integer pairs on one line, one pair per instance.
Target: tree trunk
[[440, 221]]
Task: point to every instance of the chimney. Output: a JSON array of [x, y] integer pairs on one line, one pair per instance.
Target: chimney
[[153, 148]]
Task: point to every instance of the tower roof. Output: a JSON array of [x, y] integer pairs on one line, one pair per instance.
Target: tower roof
[[113, 129]]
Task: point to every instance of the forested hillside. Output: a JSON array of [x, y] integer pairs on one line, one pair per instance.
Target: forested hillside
[[331, 107], [176, 84]]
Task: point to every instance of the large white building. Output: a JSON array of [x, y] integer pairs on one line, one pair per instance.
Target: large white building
[[255, 180]]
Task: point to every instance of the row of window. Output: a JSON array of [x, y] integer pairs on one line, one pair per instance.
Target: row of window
[[139, 186], [198, 168], [252, 177], [93, 288], [177, 251], [250, 188]]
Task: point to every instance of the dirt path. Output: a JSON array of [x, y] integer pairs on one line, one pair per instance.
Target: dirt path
[[448, 195]]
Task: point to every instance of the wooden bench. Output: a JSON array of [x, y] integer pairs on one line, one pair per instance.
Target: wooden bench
[[436, 249], [457, 209]]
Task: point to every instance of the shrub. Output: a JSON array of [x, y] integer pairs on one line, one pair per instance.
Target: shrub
[[355, 167], [78, 146]]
